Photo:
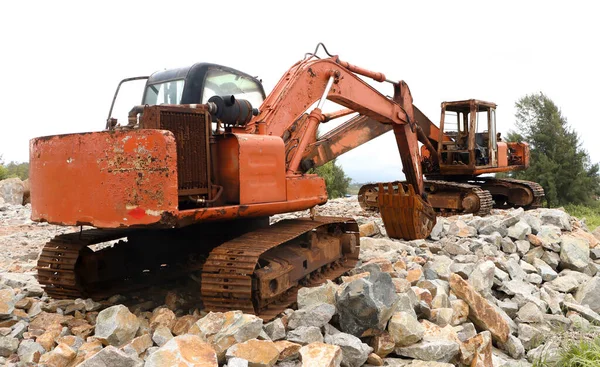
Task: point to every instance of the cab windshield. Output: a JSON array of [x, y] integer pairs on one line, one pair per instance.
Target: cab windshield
[[223, 83]]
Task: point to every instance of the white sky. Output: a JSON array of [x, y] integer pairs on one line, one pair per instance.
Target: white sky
[[62, 60]]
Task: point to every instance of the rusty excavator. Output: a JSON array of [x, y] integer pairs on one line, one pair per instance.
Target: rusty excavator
[[188, 182]]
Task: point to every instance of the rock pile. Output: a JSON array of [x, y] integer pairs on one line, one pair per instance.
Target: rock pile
[[501, 290]]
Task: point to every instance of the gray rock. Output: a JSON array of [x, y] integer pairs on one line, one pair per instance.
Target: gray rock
[[317, 314], [495, 239], [8, 345], [584, 311], [18, 329], [354, 352], [454, 248], [511, 308], [550, 237], [530, 313], [437, 231], [439, 267], [513, 347], [514, 270], [595, 253], [482, 277], [512, 217], [534, 222], [549, 353], [574, 253], [465, 331], [462, 269], [11, 191], [438, 350], [564, 283], [161, 335], [535, 252], [522, 247], [325, 293], [589, 294], [406, 303], [405, 329], [530, 336], [508, 246], [30, 351], [305, 335], [551, 258], [494, 227], [116, 325], [544, 270], [534, 279], [517, 287], [366, 304], [527, 267], [275, 329], [557, 218], [552, 300], [461, 229], [111, 356], [519, 231]]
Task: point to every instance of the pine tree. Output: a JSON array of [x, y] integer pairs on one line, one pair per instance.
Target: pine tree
[[558, 162]]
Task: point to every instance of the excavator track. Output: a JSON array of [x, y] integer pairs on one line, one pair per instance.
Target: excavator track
[[239, 272], [260, 272], [69, 268], [447, 198], [56, 266], [528, 194]]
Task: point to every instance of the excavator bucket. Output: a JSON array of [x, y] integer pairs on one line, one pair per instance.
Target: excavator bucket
[[405, 214]]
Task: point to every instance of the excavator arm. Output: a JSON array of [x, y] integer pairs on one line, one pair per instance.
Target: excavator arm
[[405, 210], [309, 81]]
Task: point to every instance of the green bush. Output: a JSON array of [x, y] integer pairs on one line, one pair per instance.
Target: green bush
[[581, 353], [336, 180], [590, 212]]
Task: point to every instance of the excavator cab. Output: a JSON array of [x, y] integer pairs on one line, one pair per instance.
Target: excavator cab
[[469, 143]]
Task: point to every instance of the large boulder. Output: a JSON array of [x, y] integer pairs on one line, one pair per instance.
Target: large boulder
[[12, 190], [366, 304], [184, 350], [116, 325]]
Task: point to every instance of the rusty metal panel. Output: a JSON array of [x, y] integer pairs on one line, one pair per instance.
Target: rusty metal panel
[[251, 168], [105, 179]]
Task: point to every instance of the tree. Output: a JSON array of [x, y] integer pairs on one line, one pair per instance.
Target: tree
[[336, 180], [13, 169], [558, 162]]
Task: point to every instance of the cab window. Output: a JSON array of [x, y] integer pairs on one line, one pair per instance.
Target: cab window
[[164, 93]]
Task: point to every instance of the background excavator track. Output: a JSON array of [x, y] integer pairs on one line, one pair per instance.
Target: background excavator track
[[229, 276], [483, 203], [536, 190]]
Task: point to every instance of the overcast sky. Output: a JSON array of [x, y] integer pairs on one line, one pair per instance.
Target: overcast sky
[[61, 61]]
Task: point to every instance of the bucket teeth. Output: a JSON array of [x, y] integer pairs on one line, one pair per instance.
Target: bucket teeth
[[405, 214]]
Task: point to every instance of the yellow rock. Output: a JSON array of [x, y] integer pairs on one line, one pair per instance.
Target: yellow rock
[[321, 355], [287, 350], [61, 356], [183, 351], [258, 353]]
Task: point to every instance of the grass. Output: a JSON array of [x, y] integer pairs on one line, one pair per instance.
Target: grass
[[582, 353], [591, 213]]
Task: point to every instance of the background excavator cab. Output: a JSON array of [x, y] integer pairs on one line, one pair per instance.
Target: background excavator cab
[[471, 127]]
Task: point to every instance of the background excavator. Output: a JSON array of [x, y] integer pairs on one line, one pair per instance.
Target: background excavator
[[189, 181], [454, 156]]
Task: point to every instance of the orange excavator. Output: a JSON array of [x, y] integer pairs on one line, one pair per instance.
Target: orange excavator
[[189, 181], [456, 155]]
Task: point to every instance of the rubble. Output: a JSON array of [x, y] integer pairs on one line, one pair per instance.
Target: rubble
[[481, 292]]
